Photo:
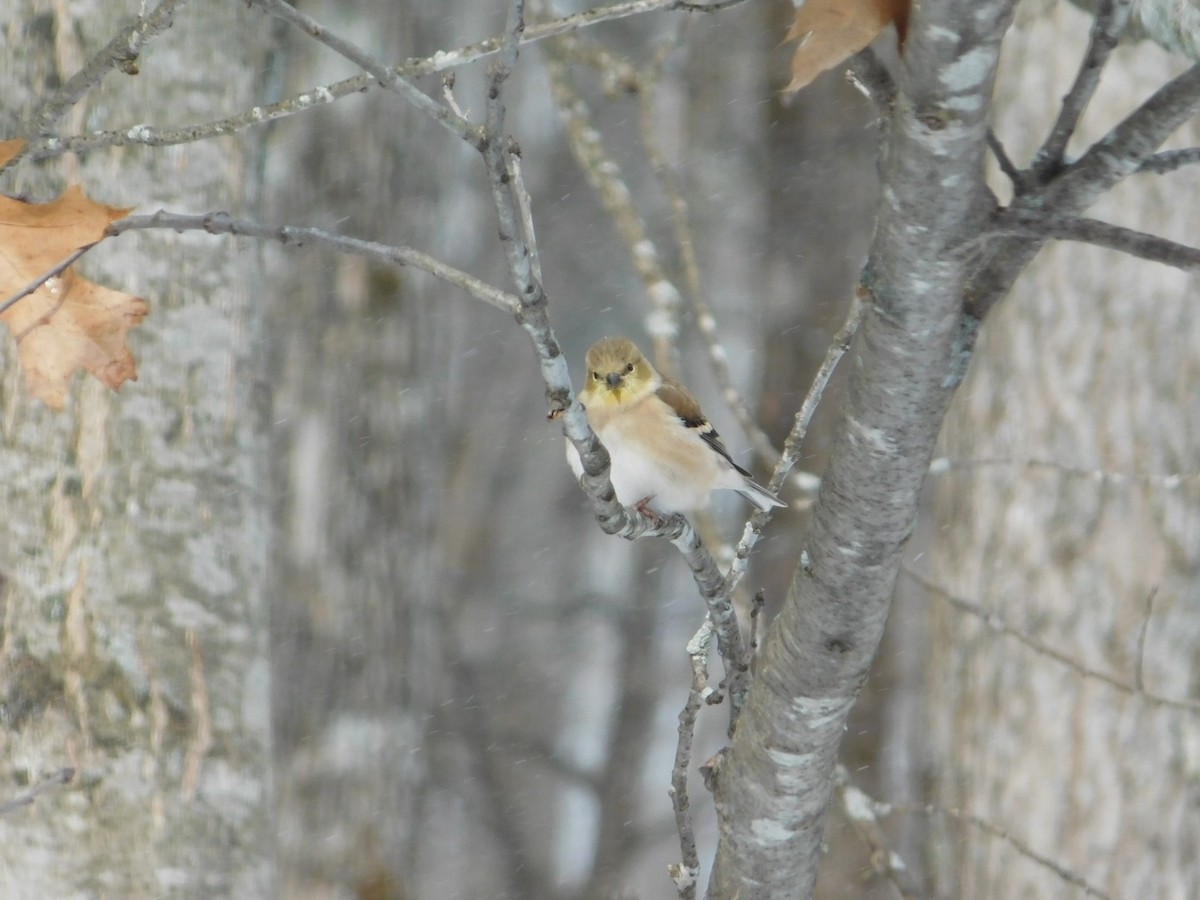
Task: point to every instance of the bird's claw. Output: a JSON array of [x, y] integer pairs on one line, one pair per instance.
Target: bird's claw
[[643, 506]]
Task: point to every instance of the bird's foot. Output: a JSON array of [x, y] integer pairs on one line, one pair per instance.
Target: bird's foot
[[643, 506]]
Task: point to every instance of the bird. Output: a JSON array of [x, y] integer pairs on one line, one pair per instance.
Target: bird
[[666, 456]]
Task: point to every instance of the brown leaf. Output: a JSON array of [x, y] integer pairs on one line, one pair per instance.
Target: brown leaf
[[831, 31], [69, 322]]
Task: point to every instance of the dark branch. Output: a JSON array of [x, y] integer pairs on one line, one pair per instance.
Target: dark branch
[[1122, 151], [1102, 234], [44, 277], [1111, 19], [1003, 160], [1170, 160], [1118, 154]]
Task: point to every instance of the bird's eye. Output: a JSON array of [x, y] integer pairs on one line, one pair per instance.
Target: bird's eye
[[628, 368], [596, 375]]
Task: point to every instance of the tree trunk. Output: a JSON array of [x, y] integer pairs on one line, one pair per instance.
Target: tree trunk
[[1089, 366], [133, 536], [774, 783]]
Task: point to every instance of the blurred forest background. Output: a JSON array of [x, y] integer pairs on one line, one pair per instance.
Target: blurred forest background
[[346, 470]]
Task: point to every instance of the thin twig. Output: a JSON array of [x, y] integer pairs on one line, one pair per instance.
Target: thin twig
[[525, 207], [1115, 156], [1140, 657], [296, 236], [756, 614], [1003, 160], [119, 53], [864, 812], [868, 74], [448, 95], [1126, 146], [1110, 21], [148, 135], [1013, 841], [861, 808], [791, 448], [686, 873], [1102, 234], [27, 797], [386, 76], [54, 272], [943, 465], [1170, 160], [995, 623]]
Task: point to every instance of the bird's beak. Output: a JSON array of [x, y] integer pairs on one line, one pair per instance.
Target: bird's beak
[[613, 379]]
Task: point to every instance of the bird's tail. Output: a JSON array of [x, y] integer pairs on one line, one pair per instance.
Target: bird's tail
[[759, 495]]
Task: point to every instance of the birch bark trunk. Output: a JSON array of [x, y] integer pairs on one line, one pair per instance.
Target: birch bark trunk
[[133, 534]]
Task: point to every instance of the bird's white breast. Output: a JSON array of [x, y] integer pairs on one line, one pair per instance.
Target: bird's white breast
[[654, 455]]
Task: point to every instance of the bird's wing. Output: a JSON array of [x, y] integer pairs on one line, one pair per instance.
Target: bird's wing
[[680, 400]]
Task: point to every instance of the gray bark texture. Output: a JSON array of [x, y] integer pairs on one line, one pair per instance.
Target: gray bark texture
[[474, 692], [774, 783], [1089, 369], [133, 535]]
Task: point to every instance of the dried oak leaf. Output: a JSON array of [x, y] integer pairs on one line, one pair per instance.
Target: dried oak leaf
[[69, 322], [831, 31]]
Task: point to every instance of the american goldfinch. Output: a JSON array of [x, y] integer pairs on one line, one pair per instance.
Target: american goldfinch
[[665, 454]]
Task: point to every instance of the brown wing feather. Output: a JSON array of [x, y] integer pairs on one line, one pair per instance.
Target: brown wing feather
[[678, 397]]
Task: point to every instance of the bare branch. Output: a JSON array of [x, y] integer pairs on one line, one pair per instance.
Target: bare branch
[[1126, 146], [756, 615], [120, 53], [296, 236], [686, 873], [27, 797], [995, 623], [1140, 657], [864, 813], [525, 207], [151, 136], [50, 273], [387, 77], [1003, 160], [1016, 843], [1170, 160], [1111, 18], [448, 95], [1118, 154], [943, 465], [1102, 234], [791, 447]]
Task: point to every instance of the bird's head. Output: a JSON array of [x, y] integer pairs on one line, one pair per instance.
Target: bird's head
[[617, 372]]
